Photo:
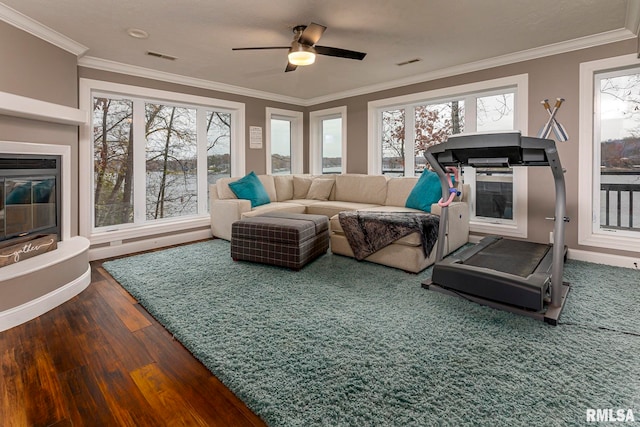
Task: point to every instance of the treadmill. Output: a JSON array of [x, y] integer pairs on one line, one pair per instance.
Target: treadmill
[[513, 275]]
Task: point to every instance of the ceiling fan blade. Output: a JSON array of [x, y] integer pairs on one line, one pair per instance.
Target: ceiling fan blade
[[341, 53], [290, 67], [261, 48], [312, 34]]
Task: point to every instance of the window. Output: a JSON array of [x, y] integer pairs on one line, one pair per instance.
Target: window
[[152, 155], [610, 153], [328, 141], [498, 198], [284, 141]]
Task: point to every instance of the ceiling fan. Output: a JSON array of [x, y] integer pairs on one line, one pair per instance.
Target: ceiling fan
[[303, 48]]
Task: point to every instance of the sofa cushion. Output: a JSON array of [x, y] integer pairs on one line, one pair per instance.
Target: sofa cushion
[[426, 192], [301, 186], [398, 190], [361, 188], [250, 188], [284, 187], [331, 207], [274, 207], [222, 185], [320, 189], [269, 186]]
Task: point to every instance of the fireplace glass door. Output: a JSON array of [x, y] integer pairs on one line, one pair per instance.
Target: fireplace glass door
[[28, 197]]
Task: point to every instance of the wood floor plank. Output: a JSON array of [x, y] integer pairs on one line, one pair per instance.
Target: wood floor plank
[[106, 276], [154, 386], [124, 400], [88, 405], [123, 307], [62, 342], [41, 387], [12, 393]]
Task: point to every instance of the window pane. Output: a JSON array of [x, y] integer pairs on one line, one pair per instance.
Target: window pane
[[494, 186], [393, 142], [280, 146], [332, 145], [434, 124], [218, 145], [113, 161], [171, 154], [494, 193], [619, 143], [495, 112]]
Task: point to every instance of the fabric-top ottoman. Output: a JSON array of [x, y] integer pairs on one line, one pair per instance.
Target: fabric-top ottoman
[[283, 239]]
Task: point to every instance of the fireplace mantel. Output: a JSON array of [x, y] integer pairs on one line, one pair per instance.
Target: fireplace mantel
[[29, 108]]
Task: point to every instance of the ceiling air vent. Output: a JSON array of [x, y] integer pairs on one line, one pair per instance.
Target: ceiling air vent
[[411, 61], [161, 55]]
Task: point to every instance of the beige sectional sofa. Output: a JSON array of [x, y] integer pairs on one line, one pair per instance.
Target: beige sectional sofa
[[331, 194]]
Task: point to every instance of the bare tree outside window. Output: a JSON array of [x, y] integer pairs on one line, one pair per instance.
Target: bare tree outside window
[[113, 161], [171, 161], [393, 142]]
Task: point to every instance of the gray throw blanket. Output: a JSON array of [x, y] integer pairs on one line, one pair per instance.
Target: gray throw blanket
[[368, 232]]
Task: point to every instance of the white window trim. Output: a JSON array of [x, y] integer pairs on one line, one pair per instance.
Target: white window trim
[[588, 231], [297, 135], [315, 137], [519, 226], [87, 87]]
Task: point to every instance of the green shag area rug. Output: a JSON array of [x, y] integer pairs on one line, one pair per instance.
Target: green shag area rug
[[348, 343]]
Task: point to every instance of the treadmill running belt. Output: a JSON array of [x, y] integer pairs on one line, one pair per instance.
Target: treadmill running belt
[[510, 256]]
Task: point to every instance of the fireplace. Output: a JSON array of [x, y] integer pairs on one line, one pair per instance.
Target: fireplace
[[35, 198], [29, 195]]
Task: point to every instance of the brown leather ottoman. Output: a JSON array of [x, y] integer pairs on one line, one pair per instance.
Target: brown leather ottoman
[[282, 239]]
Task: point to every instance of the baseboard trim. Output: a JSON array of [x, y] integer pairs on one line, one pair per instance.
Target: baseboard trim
[[126, 248], [37, 307], [606, 259]]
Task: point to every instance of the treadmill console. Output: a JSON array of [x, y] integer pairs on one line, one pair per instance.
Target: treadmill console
[[493, 150]]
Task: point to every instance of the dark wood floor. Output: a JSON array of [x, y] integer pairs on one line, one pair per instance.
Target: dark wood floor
[[101, 360]]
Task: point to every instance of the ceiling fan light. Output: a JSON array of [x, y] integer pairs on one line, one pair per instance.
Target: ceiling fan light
[[300, 54]]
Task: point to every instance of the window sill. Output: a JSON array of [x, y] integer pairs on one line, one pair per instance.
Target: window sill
[[141, 231]]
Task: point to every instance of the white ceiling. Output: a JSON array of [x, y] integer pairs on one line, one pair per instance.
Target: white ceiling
[[447, 35]]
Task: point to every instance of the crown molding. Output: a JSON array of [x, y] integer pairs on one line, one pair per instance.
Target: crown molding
[[525, 55], [33, 27], [134, 70]]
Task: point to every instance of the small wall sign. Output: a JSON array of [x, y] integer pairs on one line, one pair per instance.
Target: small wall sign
[[255, 137]]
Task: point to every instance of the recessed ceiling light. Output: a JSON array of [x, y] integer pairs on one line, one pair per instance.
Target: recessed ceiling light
[[137, 33]]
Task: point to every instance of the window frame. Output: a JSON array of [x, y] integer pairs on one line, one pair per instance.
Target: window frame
[[589, 232], [316, 141], [297, 135], [141, 227], [518, 227]]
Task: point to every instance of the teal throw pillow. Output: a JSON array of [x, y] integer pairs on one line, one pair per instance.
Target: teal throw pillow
[[250, 188], [426, 192]]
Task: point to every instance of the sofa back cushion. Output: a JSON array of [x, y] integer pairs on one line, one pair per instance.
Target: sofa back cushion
[[398, 190], [284, 187], [361, 188], [224, 192]]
